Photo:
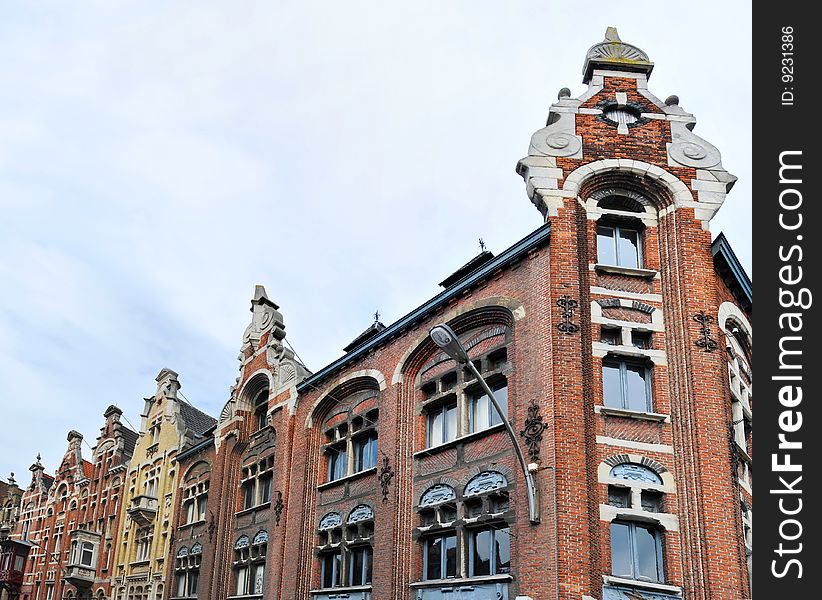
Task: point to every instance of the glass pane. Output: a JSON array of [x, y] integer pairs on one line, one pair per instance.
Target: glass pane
[[502, 551], [621, 551], [481, 542], [646, 556], [371, 454], [242, 580], [501, 394], [435, 428], [434, 558], [202, 507], [181, 585], [367, 558], [628, 248], [451, 556], [611, 385], [248, 494], [605, 246], [340, 464], [337, 557], [355, 567], [450, 422], [193, 579], [479, 412], [651, 501], [637, 390]]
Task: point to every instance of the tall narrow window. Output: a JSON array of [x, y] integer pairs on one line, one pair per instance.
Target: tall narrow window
[[490, 552], [442, 424]]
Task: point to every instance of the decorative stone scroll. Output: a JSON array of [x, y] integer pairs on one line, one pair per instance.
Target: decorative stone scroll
[[634, 472], [437, 494], [196, 549], [485, 482], [359, 513], [242, 542], [261, 537], [330, 521], [182, 552]]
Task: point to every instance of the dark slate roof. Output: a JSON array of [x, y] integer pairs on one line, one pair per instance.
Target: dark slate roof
[[195, 419], [468, 268], [129, 439], [729, 268], [366, 335]]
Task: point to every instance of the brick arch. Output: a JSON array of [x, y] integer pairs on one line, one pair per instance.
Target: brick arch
[[366, 379], [663, 188], [424, 350], [198, 469], [422, 347], [258, 382], [729, 311], [604, 469]]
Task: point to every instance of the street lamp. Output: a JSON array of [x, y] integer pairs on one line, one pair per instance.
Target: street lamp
[[445, 338]]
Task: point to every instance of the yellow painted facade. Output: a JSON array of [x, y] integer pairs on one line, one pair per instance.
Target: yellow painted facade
[[142, 545]]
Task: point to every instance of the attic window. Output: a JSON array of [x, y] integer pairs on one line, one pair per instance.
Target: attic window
[[621, 115]]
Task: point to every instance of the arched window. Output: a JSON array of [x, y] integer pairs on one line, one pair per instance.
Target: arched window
[[636, 541], [249, 564], [351, 430], [345, 549], [455, 403], [467, 537]]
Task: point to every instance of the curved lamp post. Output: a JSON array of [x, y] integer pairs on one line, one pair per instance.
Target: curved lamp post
[[445, 338]]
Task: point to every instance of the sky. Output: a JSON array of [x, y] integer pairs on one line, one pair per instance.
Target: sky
[[159, 159]]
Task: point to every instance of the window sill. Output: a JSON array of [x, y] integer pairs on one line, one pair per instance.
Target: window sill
[[630, 271], [469, 437], [244, 596], [645, 585], [357, 475], [462, 581], [140, 563], [245, 511], [341, 590], [611, 411], [186, 525]]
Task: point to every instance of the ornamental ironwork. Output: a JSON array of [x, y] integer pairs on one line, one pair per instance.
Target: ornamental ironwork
[[567, 304], [534, 428], [278, 508], [385, 476], [705, 341]]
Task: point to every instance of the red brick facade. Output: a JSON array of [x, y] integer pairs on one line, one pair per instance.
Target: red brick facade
[[618, 336]]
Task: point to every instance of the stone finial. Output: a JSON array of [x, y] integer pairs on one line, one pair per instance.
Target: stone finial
[[167, 383], [615, 55], [672, 100], [74, 435], [564, 93], [113, 410], [11, 479]]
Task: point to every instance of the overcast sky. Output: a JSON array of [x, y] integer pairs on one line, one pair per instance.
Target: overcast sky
[[159, 159]]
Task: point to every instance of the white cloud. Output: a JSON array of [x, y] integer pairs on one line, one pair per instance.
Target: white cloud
[[159, 160]]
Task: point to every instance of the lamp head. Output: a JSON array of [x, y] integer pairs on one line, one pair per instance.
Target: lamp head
[[445, 338]]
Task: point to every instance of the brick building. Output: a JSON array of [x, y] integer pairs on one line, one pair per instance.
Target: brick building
[[617, 335], [617, 338], [73, 517], [142, 544]]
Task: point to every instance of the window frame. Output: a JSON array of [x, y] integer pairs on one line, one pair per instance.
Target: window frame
[[493, 555], [623, 362], [617, 227], [633, 553]]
